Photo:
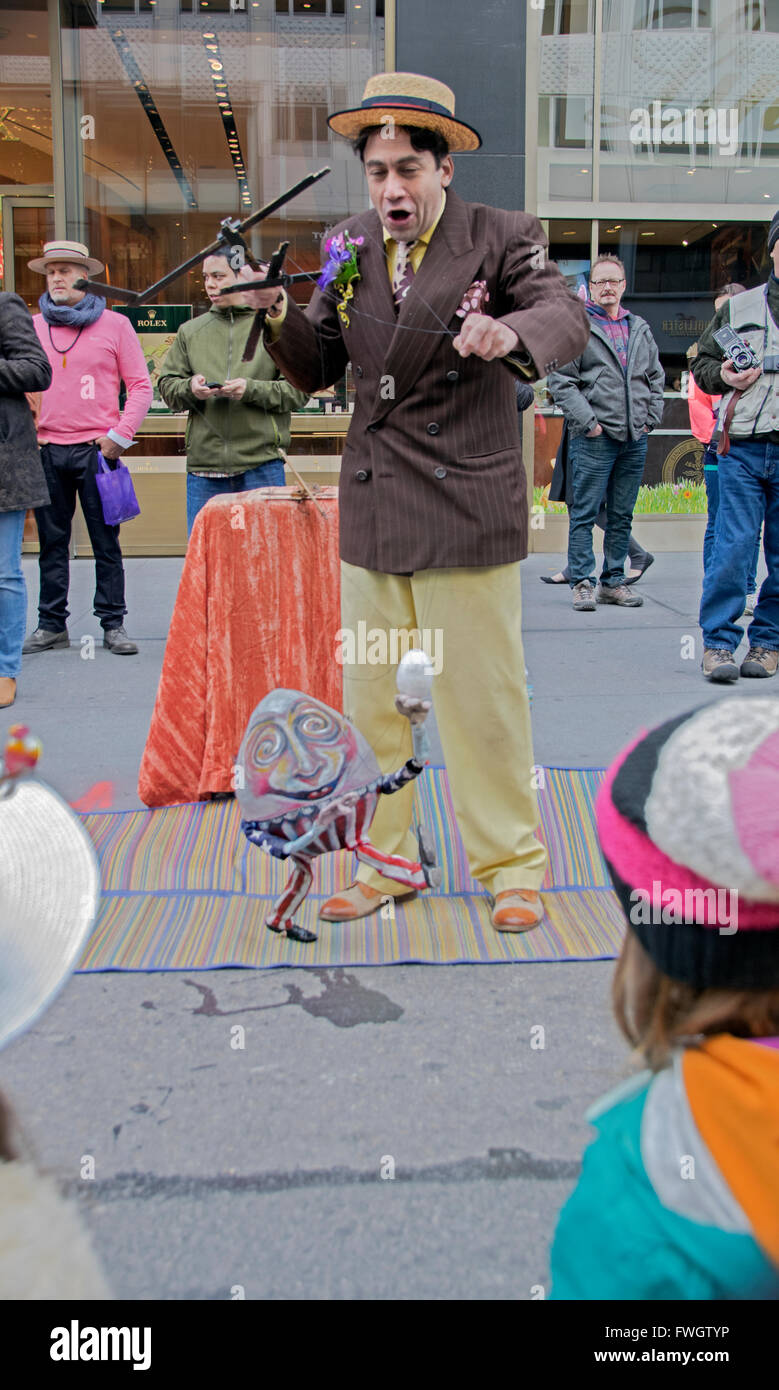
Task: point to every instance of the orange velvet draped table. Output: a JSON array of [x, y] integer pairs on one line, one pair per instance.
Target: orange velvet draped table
[[258, 608]]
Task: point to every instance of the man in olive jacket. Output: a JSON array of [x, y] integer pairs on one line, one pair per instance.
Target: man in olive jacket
[[239, 412], [24, 367]]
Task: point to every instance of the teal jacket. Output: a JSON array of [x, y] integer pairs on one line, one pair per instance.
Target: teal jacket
[[228, 436], [652, 1215]]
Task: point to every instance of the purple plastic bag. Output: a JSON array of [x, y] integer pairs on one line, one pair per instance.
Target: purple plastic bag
[[117, 494]]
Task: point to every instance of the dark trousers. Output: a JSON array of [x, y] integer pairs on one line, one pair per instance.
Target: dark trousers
[[70, 473], [636, 550], [603, 465]]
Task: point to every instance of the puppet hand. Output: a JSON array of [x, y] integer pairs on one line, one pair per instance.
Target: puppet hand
[[412, 708], [485, 337], [333, 809]]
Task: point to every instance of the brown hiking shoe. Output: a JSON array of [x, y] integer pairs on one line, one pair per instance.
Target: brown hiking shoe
[[718, 664], [584, 597], [620, 594], [760, 661]]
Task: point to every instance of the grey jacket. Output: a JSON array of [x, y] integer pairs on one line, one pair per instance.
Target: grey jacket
[[24, 366], [593, 389]]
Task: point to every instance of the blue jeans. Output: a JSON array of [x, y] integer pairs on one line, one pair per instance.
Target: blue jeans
[[201, 490], [13, 593], [748, 491], [603, 466], [711, 481]]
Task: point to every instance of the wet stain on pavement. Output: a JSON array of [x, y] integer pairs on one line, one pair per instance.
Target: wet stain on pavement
[[344, 1002]]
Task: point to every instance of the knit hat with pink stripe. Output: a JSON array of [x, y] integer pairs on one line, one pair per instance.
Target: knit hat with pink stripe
[[688, 819]]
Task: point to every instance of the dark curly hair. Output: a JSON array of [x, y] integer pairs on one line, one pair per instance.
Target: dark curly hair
[[420, 139]]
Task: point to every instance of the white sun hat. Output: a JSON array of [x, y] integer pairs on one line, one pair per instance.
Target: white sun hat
[[49, 895]]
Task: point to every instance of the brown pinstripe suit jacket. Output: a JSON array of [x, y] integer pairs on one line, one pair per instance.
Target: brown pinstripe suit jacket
[[432, 472]]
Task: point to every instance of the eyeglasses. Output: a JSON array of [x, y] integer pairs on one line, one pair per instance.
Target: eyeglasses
[[607, 282]]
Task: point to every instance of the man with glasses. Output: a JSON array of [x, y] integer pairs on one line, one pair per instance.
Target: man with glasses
[[611, 397]]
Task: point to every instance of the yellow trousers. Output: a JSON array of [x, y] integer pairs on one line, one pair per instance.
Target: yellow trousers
[[472, 618]]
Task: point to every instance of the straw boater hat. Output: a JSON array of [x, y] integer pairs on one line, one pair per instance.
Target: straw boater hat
[[49, 894], [408, 99], [74, 251]]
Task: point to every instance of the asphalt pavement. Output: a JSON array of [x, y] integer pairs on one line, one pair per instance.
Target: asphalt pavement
[[384, 1133]]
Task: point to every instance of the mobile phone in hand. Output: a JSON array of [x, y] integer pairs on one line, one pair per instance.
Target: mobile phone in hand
[[214, 385]]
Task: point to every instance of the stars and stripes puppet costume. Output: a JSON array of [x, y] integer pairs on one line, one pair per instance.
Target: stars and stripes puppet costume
[[310, 785]]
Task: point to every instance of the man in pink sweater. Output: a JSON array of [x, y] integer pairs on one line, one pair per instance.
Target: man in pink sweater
[[91, 351]]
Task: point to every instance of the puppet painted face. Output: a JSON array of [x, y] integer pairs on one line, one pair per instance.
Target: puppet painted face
[[298, 753]]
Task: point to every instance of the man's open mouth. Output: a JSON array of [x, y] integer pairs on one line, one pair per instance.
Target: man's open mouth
[[399, 217]]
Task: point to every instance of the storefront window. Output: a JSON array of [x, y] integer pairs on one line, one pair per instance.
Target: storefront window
[[673, 271], [688, 109], [26, 164], [567, 17], [565, 101], [207, 113], [671, 14], [25, 96], [569, 248]]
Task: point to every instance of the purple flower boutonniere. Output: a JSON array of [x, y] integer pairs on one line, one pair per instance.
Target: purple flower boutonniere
[[341, 270], [474, 300]]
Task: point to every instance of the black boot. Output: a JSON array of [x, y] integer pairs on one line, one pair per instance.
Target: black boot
[[117, 641], [42, 640]]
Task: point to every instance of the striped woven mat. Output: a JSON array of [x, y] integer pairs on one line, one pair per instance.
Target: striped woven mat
[[182, 889]]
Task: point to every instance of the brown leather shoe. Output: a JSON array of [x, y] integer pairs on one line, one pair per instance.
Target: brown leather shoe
[[7, 691], [357, 901], [517, 909], [760, 661], [618, 593]]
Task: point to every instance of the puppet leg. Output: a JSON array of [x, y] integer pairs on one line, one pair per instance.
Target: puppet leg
[[393, 866], [290, 900]]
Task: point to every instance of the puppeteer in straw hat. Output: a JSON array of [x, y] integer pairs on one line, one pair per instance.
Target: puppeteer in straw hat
[[407, 98]]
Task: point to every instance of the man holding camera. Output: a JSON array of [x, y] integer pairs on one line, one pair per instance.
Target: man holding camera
[[748, 447]]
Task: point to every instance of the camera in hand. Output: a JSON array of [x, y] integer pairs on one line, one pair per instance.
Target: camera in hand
[[736, 349]]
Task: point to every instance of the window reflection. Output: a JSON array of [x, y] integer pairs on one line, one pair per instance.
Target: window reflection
[[25, 96], [208, 117]]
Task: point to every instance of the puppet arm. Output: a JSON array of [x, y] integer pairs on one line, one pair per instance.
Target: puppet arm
[[393, 781], [274, 844]]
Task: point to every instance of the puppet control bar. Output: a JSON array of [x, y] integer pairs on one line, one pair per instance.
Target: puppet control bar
[[231, 233]]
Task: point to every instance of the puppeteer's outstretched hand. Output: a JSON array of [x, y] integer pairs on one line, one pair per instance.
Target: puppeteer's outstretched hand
[[272, 299], [485, 337], [412, 708]]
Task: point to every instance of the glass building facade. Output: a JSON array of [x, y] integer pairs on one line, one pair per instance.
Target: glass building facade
[[657, 126], [651, 130], [137, 125], [657, 131]]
